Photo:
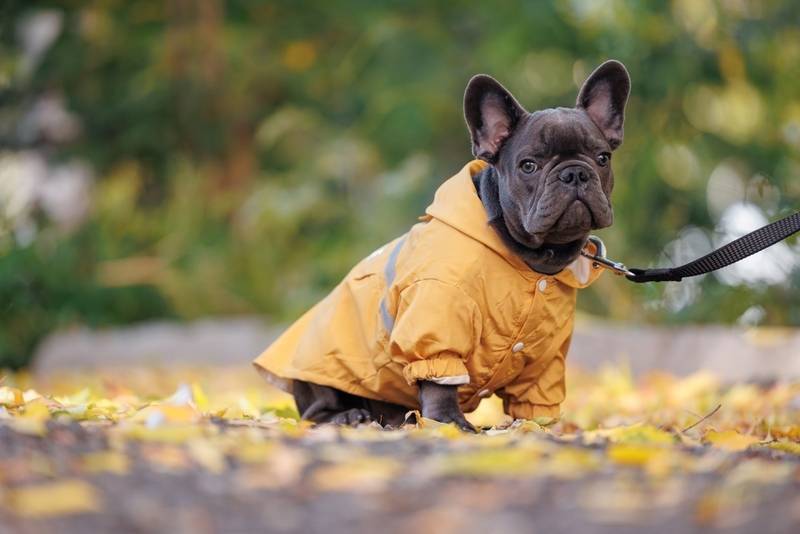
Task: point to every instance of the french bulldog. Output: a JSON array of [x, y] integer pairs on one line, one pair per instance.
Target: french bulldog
[[547, 185]]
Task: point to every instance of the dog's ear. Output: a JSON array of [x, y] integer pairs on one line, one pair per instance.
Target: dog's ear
[[491, 113], [603, 97]]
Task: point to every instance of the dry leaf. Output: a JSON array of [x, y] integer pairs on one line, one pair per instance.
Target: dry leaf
[[11, 397], [730, 440], [64, 497], [105, 462], [365, 474]]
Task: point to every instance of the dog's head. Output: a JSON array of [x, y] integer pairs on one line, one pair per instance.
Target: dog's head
[[553, 167]]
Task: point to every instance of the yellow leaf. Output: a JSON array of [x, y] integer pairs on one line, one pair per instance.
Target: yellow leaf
[[105, 462], [638, 433], [30, 427], [525, 426], [11, 397], [293, 428], [157, 415], [730, 440], [572, 463], [165, 434], [786, 446], [105, 409], [655, 459], [363, 475], [251, 452], [29, 394], [444, 430], [243, 409], [299, 55], [283, 466], [200, 398], [36, 409], [517, 462], [489, 413], [167, 458], [790, 432], [80, 397], [627, 454], [64, 497], [545, 421], [207, 454]]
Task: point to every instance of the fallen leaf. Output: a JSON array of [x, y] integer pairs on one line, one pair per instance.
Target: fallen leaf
[[36, 409], [785, 446], [638, 433], [105, 462], [30, 427], [164, 434], [572, 463], [366, 474], [283, 466], [154, 416], [64, 497], [199, 397], [207, 454], [654, 459], [730, 440], [11, 397], [167, 458], [513, 463]]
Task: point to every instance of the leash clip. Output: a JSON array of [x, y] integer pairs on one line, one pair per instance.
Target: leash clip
[[601, 259]]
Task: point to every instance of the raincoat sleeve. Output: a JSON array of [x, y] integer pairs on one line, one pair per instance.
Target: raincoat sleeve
[[436, 327], [539, 390]]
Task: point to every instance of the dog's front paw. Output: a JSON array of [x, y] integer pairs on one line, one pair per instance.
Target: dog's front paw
[[450, 416], [351, 417], [440, 403]]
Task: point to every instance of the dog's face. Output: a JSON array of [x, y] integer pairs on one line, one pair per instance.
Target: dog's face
[[553, 166]]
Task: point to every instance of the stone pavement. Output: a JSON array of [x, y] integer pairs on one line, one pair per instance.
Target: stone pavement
[[732, 353]]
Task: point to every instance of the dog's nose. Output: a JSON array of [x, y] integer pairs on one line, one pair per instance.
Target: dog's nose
[[573, 174]]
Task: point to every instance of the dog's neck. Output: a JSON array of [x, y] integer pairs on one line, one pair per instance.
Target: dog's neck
[[487, 188]]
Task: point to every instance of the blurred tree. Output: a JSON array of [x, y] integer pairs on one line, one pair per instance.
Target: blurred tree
[[246, 154]]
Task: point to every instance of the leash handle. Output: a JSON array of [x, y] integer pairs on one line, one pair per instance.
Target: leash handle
[[735, 251]]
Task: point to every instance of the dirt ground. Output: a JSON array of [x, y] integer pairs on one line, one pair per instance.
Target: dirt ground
[[207, 450], [315, 484]]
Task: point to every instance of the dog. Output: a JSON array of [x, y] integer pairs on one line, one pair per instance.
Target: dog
[[478, 298]]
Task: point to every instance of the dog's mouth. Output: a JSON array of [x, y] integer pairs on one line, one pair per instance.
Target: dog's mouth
[[563, 215], [574, 223], [560, 244]]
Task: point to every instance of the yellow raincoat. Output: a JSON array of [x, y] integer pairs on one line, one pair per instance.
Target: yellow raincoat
[[447, 302]]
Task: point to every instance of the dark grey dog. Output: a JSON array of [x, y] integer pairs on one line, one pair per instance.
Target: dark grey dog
[[548, 185]]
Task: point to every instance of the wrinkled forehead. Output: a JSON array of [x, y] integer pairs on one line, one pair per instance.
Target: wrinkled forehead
[[561, 131]]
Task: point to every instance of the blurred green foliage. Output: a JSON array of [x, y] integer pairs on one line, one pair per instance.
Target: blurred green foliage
[[246, 154]]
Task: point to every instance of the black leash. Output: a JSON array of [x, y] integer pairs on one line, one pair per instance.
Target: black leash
[[734, 251]]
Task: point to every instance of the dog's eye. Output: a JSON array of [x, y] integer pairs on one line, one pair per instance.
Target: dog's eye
[[603, 159], [528, 166]]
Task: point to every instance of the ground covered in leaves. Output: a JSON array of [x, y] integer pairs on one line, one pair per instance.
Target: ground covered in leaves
[[215, 450]]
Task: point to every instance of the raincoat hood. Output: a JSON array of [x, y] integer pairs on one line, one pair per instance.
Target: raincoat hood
[[457, 204]]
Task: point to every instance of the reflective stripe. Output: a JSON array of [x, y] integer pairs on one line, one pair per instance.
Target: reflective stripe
[[389, 272], [388, 320]]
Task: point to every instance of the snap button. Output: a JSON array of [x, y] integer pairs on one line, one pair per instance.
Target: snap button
[[518, 347], [542, 284], [484, 393]]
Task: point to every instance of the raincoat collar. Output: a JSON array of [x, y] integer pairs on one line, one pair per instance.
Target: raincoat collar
[[457, 204]]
